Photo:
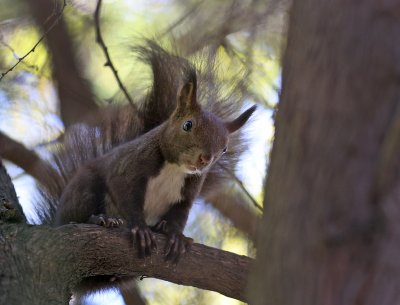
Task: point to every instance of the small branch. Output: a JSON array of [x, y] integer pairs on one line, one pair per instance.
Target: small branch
[[20, 59], [241, 185], [34, 67], [100, 41]]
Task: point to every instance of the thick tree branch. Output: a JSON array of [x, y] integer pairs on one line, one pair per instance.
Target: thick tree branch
[[80, 251], [76, 98]]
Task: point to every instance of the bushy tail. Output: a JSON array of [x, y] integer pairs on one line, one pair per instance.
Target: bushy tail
[[114, 125]]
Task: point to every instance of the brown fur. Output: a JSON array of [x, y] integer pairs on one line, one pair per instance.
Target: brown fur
[[124, 173]]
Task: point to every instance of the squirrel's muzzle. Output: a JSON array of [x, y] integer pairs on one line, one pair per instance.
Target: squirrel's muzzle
[[205, 159]]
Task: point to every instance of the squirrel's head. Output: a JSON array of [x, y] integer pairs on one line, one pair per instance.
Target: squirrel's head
[[194, 138]]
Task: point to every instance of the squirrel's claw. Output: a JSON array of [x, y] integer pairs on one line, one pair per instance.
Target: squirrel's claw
[[105, 221], [144, 239], [160, 227], [177, 245]]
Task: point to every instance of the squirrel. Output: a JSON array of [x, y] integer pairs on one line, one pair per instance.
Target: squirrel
[[145, 166]]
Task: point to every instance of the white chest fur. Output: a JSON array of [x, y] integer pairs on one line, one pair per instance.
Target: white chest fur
[[163, 191]]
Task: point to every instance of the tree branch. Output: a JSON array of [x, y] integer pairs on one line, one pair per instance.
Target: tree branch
[[15, 55], [80, 251], [100, 41], [76, 98], [27, 159]]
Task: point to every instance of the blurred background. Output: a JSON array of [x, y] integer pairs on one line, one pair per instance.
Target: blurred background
[[68, 65]]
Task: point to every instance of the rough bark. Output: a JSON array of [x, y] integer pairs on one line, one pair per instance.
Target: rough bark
[[50, 262], [10, 209], [331, 229]]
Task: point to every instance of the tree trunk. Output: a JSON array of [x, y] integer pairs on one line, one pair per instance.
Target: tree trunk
[[331, 223]]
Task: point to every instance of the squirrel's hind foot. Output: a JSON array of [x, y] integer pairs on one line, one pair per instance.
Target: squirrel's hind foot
[[105, 221]]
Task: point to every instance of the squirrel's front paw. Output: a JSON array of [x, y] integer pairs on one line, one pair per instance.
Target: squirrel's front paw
[[105, 221], [144, 239], [177, 245]]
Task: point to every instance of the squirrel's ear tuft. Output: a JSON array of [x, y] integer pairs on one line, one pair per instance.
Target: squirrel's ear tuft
[[241, 120], [186, 93], [187, 101]]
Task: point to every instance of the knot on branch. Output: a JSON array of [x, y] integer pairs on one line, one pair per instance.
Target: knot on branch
[[9, 212]]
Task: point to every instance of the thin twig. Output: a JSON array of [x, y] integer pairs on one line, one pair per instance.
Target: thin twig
[[20, 59], [34, 67], [241, 185], [100, 41]]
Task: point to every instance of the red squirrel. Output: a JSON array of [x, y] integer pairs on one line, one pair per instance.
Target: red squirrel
[[146, 166], [153, 179]]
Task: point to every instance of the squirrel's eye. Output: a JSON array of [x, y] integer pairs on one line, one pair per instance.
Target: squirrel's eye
[[187, 125], [224, 150]]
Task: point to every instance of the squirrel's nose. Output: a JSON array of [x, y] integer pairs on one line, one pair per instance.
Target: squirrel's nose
[[205, 159]]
